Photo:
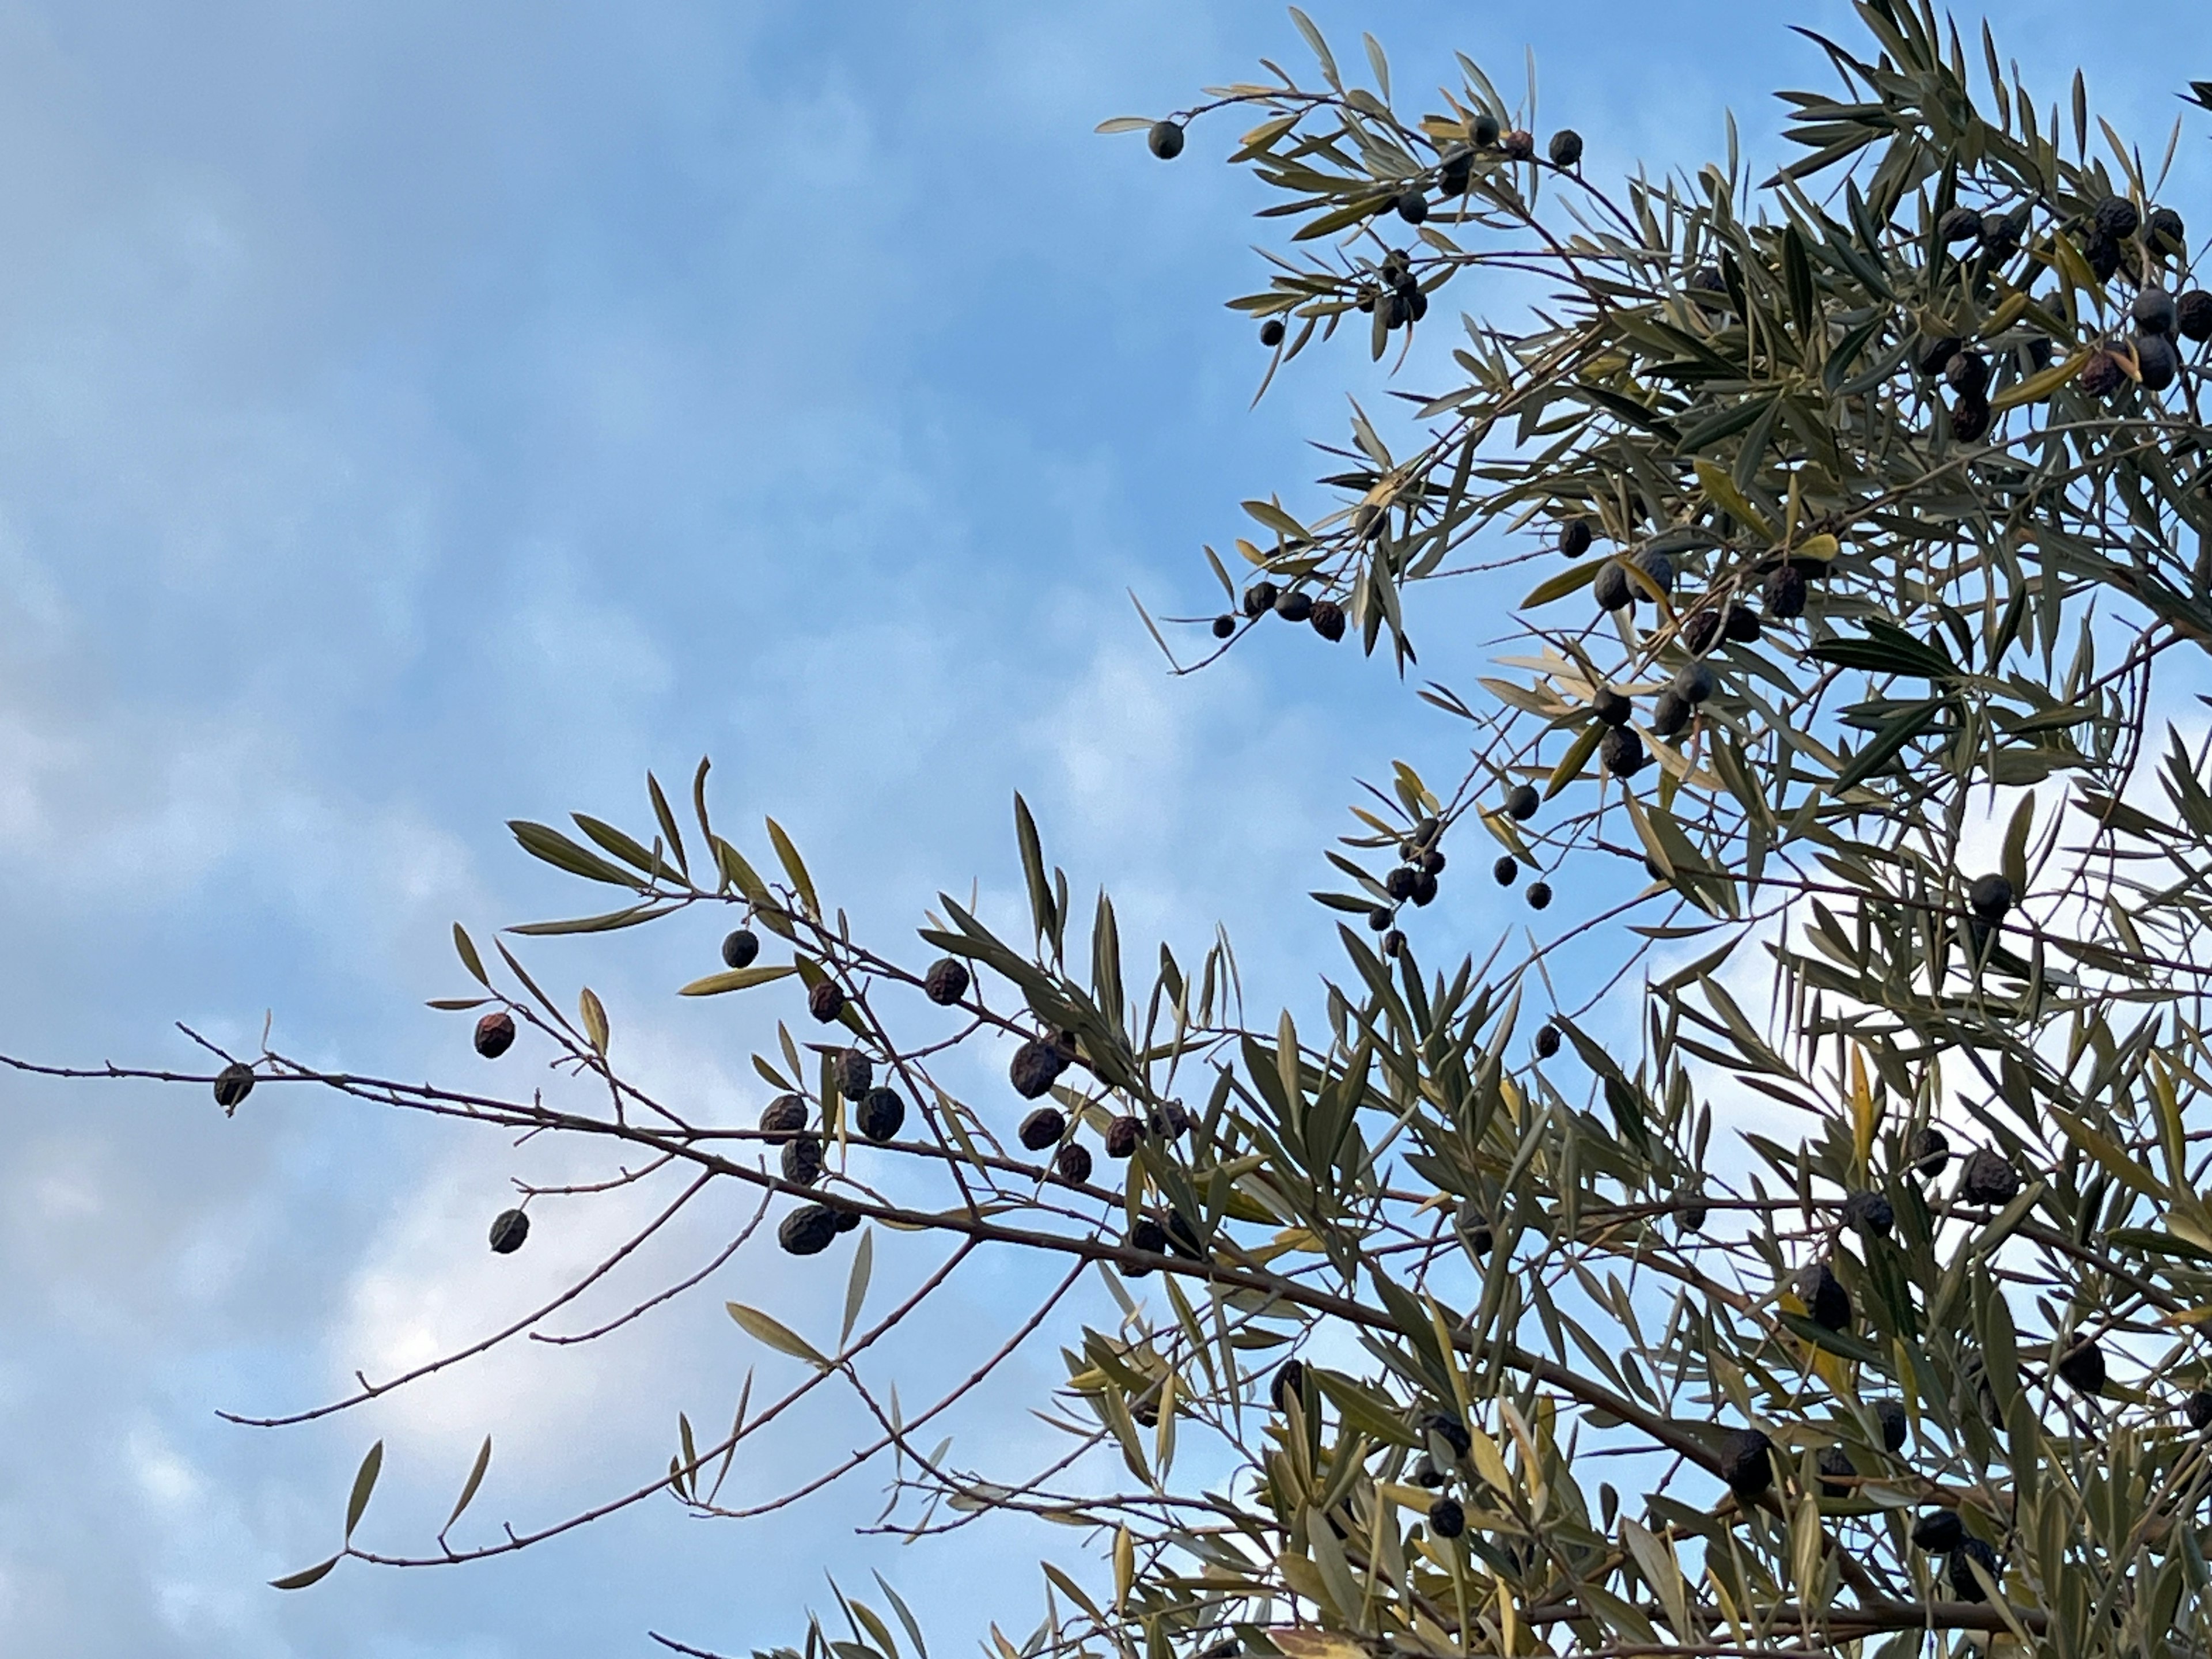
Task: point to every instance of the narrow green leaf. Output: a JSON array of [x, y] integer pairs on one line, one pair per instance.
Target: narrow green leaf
[[469, 1487], [364, 1483], [856, 1286], [775, 1334], [794, 868], [314, 1575], [466, 949], [736, 979]]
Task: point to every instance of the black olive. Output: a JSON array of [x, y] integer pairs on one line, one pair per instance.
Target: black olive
[[235, 1081], [1964, 1583], [1567, 148], [1398, 884], [2165, 232], [1412, 207], [1932, 354], [2101, 376], [1575, 538], [1507, 869], [1670, 713], [1783, 592], [1521, 803], [1424, 889], [826, 1001], [1475, 1228], [1394, 944], [2154, 311], [508, 1229], [1328, 620], [1692, 1217], [1271, 333], [2156, 361], [1622, 752], [1432, 862], [783, 1115], [1042, 1129], [802, 1159], [1071, 1163], [1990, 896], [1036, 1065], [2198, 1409], [1967, 375], [1122, 1135], [1295, 605], [1548, 1040], [1693, 682], [1827, 1301], [2082, 1366], [1152, 1238], [1456, 174], [1938, 1531], [1746, 1462], [739, 948], [2193, 315], [1183, 1239], [1259, 599], [1659, 568], [847, 1219], [1836, 1462], [1426, 1474], [1224, 626], [881, 1115], [2116, 217], [1379, 918], [1895, 1426], [1450, 1430], [808, 1229], [1960, 224], [1870, 1212], [946, 981], [1970, 418], [1987, 1178], [1539, 895], [2103, 255], [1742, 626], [1290, 1378], [1446, 1518], [495, 1037], [1165, 139], [1519, 145], [1484, 131], [1929, 1152], [1612, 590], [1699, 630], [855, 1073], [1609, 706]]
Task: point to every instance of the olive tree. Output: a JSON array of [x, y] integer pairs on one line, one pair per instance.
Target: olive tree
[[1857, 514]]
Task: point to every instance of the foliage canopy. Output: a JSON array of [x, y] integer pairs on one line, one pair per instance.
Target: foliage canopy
[[1863, 506]]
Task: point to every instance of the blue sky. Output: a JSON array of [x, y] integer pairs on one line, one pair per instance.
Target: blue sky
[[413, 416]]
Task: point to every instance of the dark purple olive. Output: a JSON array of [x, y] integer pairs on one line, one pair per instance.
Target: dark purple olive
[[495, 1037], [1746, 1462], [946, 981], [1036, 1067], [508, 1229], [1042, 1129], [808, 1229], [882, 1113], [739, 948]]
